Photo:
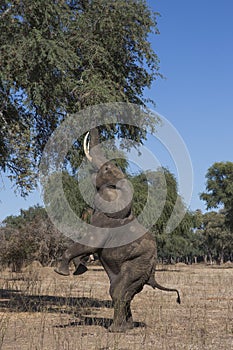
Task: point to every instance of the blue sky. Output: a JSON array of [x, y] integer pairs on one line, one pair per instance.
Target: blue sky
[[196, 53]]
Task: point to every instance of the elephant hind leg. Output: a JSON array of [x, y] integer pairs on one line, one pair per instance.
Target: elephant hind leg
[[122, 291], [123, 319], [129, 316]]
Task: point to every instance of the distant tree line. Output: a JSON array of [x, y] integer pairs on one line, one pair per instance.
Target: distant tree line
[[199, 237]]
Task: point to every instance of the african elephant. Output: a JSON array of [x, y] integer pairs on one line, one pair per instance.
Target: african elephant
[[129, 266]]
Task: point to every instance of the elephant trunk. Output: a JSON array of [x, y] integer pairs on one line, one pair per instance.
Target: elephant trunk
[[92, 150]]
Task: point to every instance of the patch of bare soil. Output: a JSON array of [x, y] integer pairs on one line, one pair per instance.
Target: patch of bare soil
[[228, 264], [42, 310], [180, 264]]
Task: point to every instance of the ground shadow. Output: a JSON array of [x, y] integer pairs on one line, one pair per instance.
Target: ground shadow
[[16, 301], [167, 270], [220, 267], [95, 321], [80, 307]]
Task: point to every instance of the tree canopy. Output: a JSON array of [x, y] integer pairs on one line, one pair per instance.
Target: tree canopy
[[216, 240], [219, 189], [58, 57]]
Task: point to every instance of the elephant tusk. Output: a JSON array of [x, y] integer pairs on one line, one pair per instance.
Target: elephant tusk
[[86, 148]]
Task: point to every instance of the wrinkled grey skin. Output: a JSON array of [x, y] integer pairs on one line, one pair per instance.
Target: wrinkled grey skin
[[129, 267]]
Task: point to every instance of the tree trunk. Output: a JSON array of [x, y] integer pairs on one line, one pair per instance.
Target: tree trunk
[[210, 259], [221, 258]]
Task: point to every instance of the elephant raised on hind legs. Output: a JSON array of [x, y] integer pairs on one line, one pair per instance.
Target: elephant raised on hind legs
[[129, 266]]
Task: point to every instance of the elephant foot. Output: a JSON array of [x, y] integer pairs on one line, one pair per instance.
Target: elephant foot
[[80, 269], [62, 268], [121, 328]]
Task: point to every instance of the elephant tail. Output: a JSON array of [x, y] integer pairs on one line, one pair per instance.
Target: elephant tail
[[152, 282]]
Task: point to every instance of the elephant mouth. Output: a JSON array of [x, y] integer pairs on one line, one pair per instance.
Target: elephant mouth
[[111, 186]]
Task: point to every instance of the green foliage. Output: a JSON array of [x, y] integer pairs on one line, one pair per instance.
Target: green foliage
[[216, 239], [29, 215], [69, 189], [58, 57], [219, 185], [219, 189], [182, 241]]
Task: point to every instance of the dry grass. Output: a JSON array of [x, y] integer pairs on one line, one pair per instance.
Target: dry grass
[[41, 310]]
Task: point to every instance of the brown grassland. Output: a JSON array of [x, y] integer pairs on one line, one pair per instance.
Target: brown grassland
[[42, 310]]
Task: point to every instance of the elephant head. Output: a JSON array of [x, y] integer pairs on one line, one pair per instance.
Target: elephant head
[[114, 192]]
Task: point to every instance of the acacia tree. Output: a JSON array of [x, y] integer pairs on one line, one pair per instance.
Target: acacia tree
[[216, 240], [219, 189], [181, 244], [58, 57]]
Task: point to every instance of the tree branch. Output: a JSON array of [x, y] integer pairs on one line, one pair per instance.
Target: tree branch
[[6, 12]]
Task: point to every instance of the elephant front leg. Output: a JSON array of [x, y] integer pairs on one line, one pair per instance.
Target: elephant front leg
[[123, 288], [74, 251]]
